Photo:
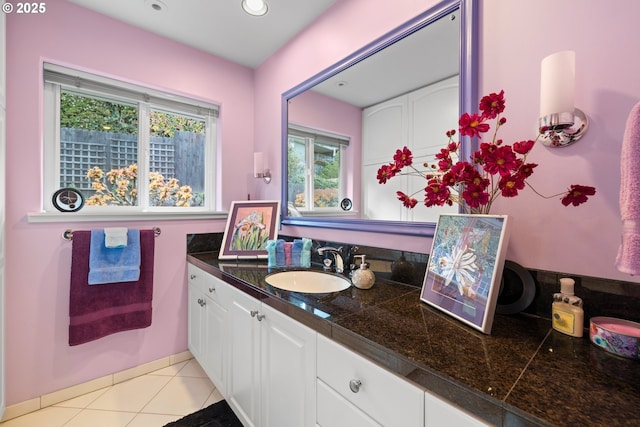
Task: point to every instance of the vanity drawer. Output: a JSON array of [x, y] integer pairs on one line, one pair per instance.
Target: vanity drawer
[[385, 397], [203, 281]]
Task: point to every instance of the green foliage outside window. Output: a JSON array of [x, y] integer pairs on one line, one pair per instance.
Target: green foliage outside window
[[84, 112]]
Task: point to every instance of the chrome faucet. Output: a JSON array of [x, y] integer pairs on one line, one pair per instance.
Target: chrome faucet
[[336, 256]]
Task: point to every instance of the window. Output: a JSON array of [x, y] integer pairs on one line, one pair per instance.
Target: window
[[315, 169], [127, 148]]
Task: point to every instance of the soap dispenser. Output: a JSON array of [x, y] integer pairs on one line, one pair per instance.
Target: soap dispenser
[[567, 313], [363, 278]]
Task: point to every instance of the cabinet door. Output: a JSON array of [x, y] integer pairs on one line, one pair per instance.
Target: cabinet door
[[215, 345], [288, 355], [439, 413], [244, 357], [196, 322]]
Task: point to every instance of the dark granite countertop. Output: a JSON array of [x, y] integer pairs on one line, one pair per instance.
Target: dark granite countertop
[[523, 374]]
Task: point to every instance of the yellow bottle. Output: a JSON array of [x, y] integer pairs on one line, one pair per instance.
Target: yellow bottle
[[567, 315]]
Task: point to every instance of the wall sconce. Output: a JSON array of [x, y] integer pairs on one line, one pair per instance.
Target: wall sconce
[[259, 170], [563, 124]]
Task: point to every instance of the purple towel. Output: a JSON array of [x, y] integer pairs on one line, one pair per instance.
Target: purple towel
[[99, 310]]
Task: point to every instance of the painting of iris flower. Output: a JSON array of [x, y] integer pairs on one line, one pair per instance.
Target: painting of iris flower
[[249, 225]]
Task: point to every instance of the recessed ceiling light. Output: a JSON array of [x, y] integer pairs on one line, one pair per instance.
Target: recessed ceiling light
[[255, 7], [156, 5]]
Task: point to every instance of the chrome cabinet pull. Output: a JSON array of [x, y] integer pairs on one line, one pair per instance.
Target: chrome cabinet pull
[[193, 276], [212, 289], [256, 313], [354, 385]]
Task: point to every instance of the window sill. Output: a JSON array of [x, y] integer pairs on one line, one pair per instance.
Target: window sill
[[43, 217], [327, 213]]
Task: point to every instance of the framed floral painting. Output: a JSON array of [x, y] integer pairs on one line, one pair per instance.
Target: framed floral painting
[[465, 267], [249, 225]]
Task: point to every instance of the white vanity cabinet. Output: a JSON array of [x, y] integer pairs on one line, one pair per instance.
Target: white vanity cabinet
[[272, 366], [275, 372], [208, 301], [353, 391]]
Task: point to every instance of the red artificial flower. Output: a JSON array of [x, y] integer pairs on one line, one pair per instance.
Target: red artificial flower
[[523, 147], [502, 160], [509, 185], [445, 161], [386, 172], [471, 125], [473, 182], [464, 171], [408, 202], [577, 194], [475, 196], [403, 158], [491, 105], [436, 193], [527, 169]]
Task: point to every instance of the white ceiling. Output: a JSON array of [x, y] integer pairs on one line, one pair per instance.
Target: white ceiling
[[219, 27], [428, 55]]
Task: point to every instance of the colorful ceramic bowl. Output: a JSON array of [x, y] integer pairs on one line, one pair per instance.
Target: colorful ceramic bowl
[[617, 336]]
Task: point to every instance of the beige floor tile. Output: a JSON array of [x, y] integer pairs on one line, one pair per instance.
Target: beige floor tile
[[181, 396], [130, 395], [192, 369], [82, 401], [214, 397], [170, 371], [153, 420], [97, 418], [49, 417]]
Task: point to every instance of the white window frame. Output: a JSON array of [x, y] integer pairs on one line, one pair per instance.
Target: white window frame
[[310, 135], [146, 98]]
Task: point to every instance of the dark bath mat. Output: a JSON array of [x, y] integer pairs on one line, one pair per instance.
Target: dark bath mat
[[217, 415]]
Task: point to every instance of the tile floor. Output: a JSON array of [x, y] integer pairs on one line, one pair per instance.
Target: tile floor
[[151, 400]]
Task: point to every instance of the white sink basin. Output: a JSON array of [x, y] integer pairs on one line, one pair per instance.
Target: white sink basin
[[311, 282]]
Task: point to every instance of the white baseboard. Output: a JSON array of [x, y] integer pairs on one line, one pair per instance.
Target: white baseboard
[[58, 396]]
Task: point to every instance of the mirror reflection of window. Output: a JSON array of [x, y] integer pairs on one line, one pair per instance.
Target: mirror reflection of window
[[315, 170]]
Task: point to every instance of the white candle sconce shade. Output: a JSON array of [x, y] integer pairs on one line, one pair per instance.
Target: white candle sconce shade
[[561, 124], [259, 171]]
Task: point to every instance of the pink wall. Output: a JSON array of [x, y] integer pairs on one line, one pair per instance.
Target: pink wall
[[323, 113], [514, 37], [38, 358]]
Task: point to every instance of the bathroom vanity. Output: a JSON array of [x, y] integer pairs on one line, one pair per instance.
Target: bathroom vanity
[[381, 357]]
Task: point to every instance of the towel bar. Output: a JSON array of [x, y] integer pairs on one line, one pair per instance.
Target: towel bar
[[68, 234]]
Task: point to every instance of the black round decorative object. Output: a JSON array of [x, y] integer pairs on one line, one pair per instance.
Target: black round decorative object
[[68, 200], [517, 289], [346, 204]]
